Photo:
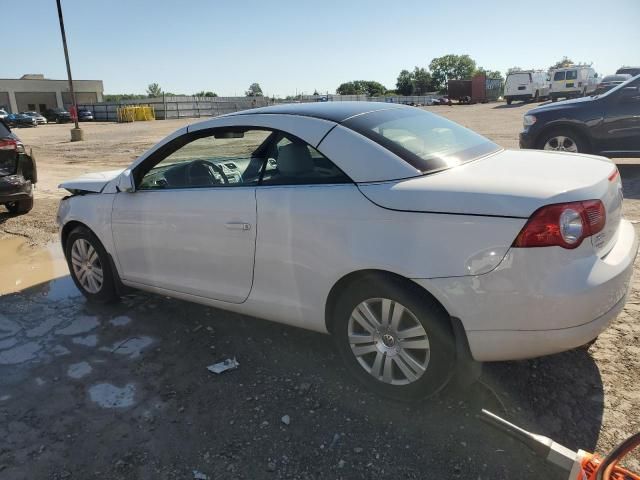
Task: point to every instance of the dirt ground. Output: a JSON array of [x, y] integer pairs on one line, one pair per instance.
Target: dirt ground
[[123, 392]]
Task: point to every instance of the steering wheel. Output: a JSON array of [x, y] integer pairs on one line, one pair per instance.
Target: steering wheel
[[210, 168]]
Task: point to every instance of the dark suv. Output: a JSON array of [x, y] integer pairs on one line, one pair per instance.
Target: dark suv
[[607, 124], [58, 115], [17, 173]]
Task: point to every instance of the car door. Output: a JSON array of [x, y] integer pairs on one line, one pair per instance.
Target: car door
[[621, 125], [190, 224]]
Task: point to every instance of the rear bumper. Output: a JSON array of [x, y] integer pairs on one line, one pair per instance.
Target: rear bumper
[[14, 188], [540, 301], [523, 97]]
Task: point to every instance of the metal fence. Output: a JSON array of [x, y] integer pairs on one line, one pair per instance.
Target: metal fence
[[196, 107]]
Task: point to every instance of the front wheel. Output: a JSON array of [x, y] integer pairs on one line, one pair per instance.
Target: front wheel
[[509, 101], [90, 266], [563, 140], [394, 339]]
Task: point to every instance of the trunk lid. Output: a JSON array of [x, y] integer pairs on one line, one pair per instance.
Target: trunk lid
[[510, 183]]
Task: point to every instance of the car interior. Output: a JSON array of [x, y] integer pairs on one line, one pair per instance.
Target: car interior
[[279, 160]]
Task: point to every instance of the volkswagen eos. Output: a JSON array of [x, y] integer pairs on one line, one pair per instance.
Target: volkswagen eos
[[417, 243]]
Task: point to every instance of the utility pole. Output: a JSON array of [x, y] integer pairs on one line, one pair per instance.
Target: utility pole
[[76, 133]]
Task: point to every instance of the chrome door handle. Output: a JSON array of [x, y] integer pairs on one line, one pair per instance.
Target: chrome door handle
[[238, 226]]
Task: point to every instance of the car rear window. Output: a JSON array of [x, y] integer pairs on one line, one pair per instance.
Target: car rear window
[[572, 74], [426, 141], [4, 131], [519, 78], [558, 76]]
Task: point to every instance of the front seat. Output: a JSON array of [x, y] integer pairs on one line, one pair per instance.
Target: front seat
[[294, 163]]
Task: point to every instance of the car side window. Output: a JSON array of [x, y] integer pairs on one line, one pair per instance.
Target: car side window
[[213, 158], [293, 162]]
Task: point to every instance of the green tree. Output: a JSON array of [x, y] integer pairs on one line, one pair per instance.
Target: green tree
[[202, 93], [489, 73], [404, 84], [421, 81], [154, 90], [315, 93], [361, 87], [565, 62], [513, 70], [450, 67], [254, 90], [121, 97]]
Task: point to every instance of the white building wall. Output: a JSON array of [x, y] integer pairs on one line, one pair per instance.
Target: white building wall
[[11, 86]]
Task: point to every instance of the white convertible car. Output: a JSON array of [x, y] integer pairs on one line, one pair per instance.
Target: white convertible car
[[415, 242]]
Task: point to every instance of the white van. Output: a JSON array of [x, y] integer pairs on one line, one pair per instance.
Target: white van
[[526, 85], [573, 81]]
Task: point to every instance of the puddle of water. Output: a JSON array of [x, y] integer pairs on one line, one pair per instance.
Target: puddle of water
[[120, 321], [20, 354], [82, 324], [88, 341], [8, 328], [110, 396], [79, 370], [22, 267], [45, 327], [132, 347]]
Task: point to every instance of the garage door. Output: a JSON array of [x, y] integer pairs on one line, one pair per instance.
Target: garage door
[[38, 101], [86, 98]]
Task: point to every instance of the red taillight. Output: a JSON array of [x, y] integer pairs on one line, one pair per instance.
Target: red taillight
[[8, 144], [564, 225], [614, 174]]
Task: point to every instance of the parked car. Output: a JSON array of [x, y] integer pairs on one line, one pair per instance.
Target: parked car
[[20, 120], [606, 124], [57, 115], [418, 244], [633, 71], [18, 173], [526, 86], [3, 114], [85, 115], [571, 82], [610, 81], [40, 119]]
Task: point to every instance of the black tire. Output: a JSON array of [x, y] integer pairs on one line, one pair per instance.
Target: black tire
[[509, 101], [107, 292], [433, 319], [554, 99], [581, 144], [536, 97], [20, 207]]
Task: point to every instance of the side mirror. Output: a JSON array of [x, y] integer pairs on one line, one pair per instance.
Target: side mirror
[[126, 182]]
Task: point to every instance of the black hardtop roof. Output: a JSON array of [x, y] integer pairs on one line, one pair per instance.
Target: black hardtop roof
[[334, 111]]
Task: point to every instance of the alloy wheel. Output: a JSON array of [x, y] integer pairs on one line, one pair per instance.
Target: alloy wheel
[[561, 143], [86, 266], [388, 341]]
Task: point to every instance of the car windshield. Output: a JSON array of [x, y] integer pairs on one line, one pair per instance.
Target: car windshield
[[616, 78], [426, 141]]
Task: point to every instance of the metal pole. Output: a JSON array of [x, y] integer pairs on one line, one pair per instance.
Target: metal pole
[[66, 57]]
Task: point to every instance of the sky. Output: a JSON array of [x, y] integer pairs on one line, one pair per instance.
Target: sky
[[290, 47]]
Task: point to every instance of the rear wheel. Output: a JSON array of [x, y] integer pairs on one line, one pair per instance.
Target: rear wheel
[[563, 140], [509, 101], [90, 266], [536, 97], [20, 207], [394, 339]]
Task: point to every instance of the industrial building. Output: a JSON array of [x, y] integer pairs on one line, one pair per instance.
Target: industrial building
[[34, 92]]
